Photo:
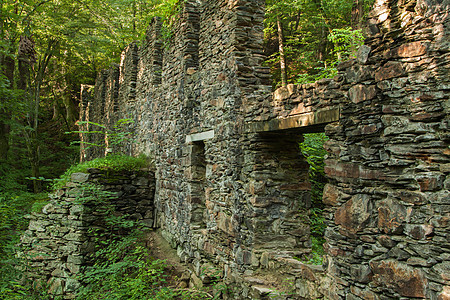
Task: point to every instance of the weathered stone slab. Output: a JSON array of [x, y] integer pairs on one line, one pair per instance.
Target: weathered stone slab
[[321, 117], [200, 136]]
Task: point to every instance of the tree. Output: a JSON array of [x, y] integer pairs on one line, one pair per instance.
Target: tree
[[48, 48], [306, 47]]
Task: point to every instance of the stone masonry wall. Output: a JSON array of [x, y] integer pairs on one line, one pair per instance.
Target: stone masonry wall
[[387, 218], [60, 238], [232, 191]]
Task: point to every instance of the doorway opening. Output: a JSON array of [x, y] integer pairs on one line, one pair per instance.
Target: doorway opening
[[286, 193], [198, 182], [312, 148]]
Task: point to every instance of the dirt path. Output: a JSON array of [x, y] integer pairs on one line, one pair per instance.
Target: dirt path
[[177, 273]]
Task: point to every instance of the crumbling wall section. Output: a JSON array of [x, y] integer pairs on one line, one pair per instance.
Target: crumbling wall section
[[60, 239]]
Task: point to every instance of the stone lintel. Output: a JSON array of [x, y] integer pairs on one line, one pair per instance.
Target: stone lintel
[[304, 120], [201, 136]]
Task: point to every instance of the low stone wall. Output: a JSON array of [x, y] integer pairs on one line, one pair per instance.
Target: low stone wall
[[59, 239]]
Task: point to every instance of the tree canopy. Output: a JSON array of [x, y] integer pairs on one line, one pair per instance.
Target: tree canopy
[[48, 48], [317, 34]]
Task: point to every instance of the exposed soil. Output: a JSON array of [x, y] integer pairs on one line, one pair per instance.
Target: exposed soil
[[177, 273]]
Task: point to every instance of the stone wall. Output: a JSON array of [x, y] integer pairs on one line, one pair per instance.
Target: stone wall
[[59, 239], [232, 190]]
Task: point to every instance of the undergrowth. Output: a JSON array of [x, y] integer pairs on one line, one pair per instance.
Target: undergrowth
[[121, 266], [125, 269], [15, 204]]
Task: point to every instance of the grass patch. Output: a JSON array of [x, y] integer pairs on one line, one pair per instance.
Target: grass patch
[[112, 162]]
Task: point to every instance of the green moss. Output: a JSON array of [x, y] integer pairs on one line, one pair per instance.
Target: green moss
[[111, 162]]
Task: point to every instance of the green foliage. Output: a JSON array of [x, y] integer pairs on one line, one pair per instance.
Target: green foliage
[[13, 208], [312, 148], [317, 251], [115, 139], [317, 36], [9, 100], [314, 152], [124, 269], [121, 266], [346, 42], [319, 73], [113, 162]]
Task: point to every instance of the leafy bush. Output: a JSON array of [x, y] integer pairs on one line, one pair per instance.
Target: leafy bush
[[346, 42], [112, 139], [314, 152]]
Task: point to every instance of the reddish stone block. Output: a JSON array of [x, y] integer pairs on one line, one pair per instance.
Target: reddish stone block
[[445, 294], [386, 241], [405, 280], [354, 214], [333, 168], [391, 216], [390, 70], [408, 50], [361, 92], [308, 273], [334, 251], [332, 147], [225, 223], [430, 181], [304, 186], [418, 232], [427, 117], [330, 195]]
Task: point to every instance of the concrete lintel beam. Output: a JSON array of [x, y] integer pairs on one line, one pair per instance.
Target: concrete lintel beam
[[305, 120], [201, 136]]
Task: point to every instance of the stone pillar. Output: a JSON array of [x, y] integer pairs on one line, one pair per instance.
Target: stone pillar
[[151, 54], [111, 115], [87, 93]]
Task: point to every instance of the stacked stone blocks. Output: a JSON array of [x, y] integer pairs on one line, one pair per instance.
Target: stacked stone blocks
[[242, 208], [61, 238]]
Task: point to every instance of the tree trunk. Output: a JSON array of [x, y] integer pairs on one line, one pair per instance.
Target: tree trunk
[[71, 110], [281, 50], [4, 141], [7, 63], [35, 162], [357, 14], [27, 59]]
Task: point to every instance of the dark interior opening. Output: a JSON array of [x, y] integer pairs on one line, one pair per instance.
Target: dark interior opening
[[198, 182]]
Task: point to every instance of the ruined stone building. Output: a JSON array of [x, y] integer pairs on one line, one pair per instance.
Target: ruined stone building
[[232, 190]]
